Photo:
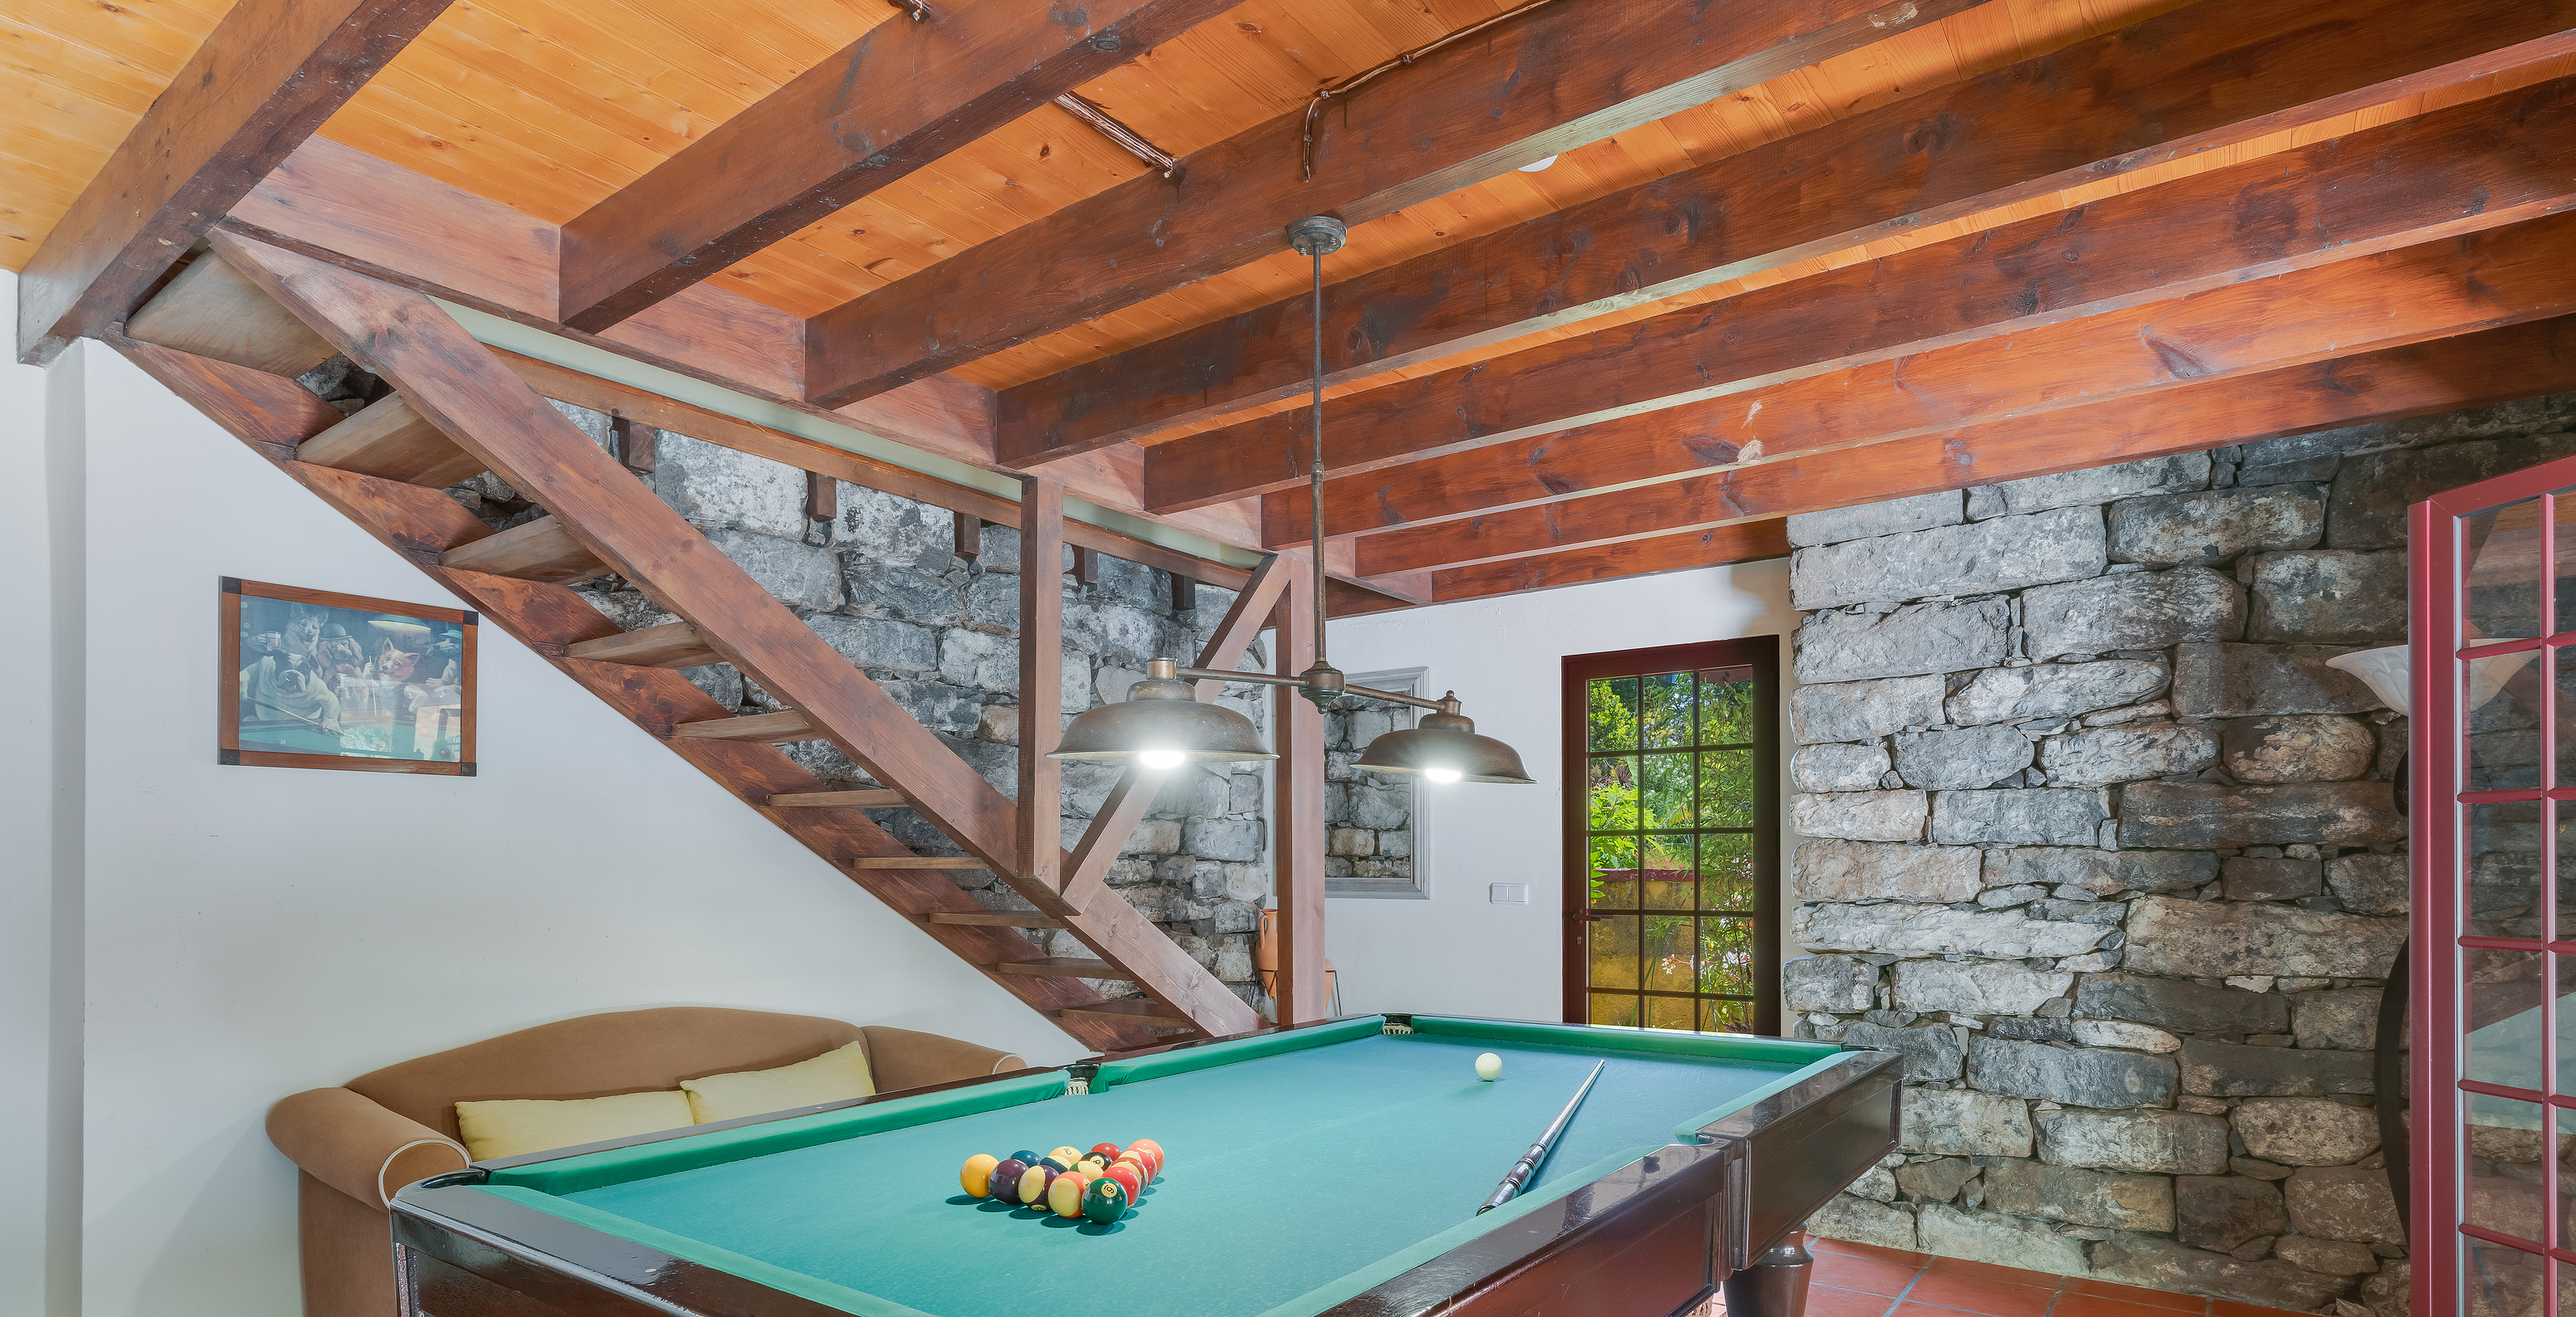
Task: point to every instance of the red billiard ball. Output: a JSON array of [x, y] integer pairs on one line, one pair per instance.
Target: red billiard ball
[[1106, 1152], [1130, 1176]]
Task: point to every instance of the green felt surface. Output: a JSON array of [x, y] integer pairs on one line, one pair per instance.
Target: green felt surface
[[1304, 1167]]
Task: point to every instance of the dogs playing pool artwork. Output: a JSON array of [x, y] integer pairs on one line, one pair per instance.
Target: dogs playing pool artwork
[[315, 678]]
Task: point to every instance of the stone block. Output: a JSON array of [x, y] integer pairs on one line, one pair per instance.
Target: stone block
[[2206, 815], [2343, 1202], [1976, 757], [1930, 1052], [795, 574], [2300, 1131], [910, 593], [2249, 878], [2006, 1241], [1893, 516], [2079, 1196], [2008, 553], [2126, 752], [1155, 837], [2390, 1292], [895, 529], [2149, 1141], [2371, 884], [1935, 1181], [2072, 910], [1839, 984], [2176, 1004], [1910, 641], [2083, 1077], [938, 706], [1859, 815], [2100, 484], [2054, 690], [2368, 507], [1861, 1221], [2239, 681], [1224, 839], [2217, 1069], [2103, 873], [2344, 1019], [1825, 869], [711, 486], [873, 642], [2160, 1264], [2132, 610], [2224, 939], [2032, 1031], [2032, 817], [1874, 1184], [1960, 1122], [2225, 1212], [2207, 527], [1351, 842], [2121, 1033], [2327, 597], [2298, 748], [1937, 930], [2328, 1257], [973, 658], [1118, 632], [1978, 987], [1838, 766], [1864, 710]]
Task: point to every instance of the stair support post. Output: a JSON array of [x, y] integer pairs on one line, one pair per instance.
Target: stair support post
[[1041, 797], [1297, 793]]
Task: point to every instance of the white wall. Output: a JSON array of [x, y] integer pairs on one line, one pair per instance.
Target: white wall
[[252, 932], [1457, 952]]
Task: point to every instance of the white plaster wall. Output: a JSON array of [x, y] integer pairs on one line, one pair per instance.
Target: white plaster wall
[[253, 932], [1457, 952]]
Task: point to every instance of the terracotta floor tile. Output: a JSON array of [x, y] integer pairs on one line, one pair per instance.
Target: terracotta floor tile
[[1868, 1275], [1982, 1294], [1826, 1301], [2231, 1308], [2094, 1305], [2137, 1295], [1850, 1249], [1988, 1270]]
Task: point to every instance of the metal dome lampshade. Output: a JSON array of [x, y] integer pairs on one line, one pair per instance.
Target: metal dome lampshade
[[1161, 724], [1445, 748]]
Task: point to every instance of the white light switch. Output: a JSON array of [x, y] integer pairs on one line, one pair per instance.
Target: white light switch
[[1511, 893]]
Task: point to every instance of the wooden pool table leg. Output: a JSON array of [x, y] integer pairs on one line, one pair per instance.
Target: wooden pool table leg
[[1776, 1284]]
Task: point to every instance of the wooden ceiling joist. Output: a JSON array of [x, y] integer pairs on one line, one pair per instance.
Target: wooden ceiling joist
[[1455, 117], [2523, 272], [265, 78], [2476, 166], [2212, 74], [2470, 370], [900, 97]]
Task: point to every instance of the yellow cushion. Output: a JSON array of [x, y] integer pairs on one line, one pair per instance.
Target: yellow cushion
[[511, 1128], [835, 1076]]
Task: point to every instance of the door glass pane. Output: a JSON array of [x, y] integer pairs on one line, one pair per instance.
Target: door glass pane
[[1664, 793], [2503, 741], [2563, 511], [1726, 954], [1614, 873], [1671, 1012], [1667, 878], [1611, 715], [1667, 953], [2504, 990], [1664, 707], [1613, 794], [2502, 590], [2504, 856], [2507, 1144], [2561, 682], [1726, 706], [1726, 782], [1726, 871], [2499, 1281], [1610, 1009], [1720, 1015]]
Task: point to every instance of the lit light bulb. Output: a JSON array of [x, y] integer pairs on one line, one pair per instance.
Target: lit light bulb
[[1161, 759], [1441, 774], [1536, 166]]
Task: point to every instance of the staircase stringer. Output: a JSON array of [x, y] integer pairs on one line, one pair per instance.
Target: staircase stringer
[[271, 414]]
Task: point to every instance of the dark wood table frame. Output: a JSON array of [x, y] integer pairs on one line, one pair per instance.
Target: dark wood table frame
[[1653, 1239]]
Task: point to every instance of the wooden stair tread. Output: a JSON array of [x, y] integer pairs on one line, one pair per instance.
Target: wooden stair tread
[[1134, 1010], [916, 862], [773, 727], [539, 550], [995, 918], [1063, 967], [390, 441], [670, 645], [873, 799]]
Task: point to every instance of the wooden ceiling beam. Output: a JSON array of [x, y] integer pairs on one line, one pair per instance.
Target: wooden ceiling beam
[[265, 78], [895, 100], [2524, 272], [1546, 82], [2215, 73], [1715, 546], [2471, 370], [2476, 166]]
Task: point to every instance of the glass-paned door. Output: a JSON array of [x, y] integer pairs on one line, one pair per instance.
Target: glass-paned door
[[1672, 838], [2494, 781]]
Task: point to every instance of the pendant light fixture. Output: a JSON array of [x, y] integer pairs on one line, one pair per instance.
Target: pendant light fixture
[[1161, 723]]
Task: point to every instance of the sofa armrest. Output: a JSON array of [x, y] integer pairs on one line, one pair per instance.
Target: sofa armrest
[[902, 1058], [357, 1147]]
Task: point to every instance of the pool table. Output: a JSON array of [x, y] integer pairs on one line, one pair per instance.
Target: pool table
[[1332, 1168]]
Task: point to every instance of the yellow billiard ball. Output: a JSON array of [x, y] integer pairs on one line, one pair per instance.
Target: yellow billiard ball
[[1489, 1066]]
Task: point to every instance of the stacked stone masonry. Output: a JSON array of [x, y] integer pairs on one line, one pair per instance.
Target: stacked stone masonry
[[2091, 835], [884, 585], [1368, 817]]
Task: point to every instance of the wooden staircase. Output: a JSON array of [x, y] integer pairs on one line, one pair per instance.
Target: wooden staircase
[[232, 330]]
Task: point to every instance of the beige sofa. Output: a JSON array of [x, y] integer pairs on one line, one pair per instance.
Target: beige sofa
[[358, 1143]]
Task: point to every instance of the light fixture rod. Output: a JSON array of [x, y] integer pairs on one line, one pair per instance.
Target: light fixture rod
[[1315, 473], [1266, 679]]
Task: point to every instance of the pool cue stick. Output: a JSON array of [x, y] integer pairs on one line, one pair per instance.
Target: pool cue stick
[[1530, 1161]]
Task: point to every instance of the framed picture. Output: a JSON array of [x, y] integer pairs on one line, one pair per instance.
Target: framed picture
[[1373, 822], [312, 679]]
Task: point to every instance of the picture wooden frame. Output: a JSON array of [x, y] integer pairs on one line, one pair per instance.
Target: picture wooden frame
[[301, 686]]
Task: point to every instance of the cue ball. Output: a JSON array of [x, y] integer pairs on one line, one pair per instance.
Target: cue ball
[[1489, 1066]]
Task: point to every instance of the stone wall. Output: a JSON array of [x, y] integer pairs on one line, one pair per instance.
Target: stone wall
[[2090, 833], [884, 585], [1368, 817]]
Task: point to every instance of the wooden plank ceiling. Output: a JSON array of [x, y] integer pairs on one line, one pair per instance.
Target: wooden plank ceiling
[[1809, 254]]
